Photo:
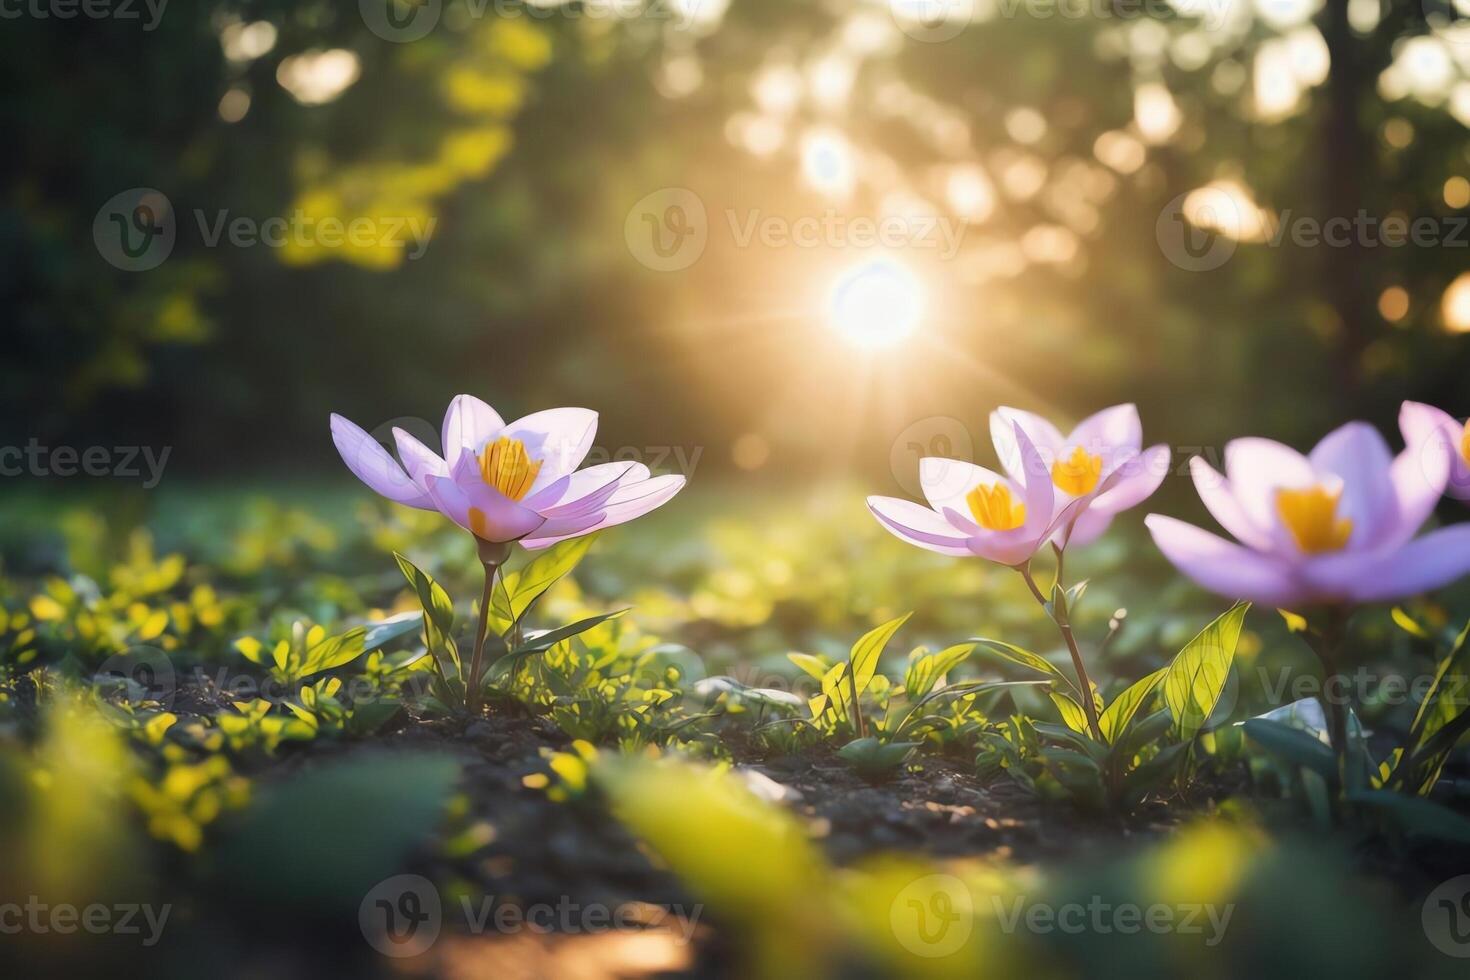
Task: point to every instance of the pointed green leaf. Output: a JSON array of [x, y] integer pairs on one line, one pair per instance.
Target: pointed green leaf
[[1198, 673], [867, 650], [1118, 715]]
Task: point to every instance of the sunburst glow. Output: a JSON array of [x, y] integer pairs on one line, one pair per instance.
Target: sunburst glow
[[877, 304]]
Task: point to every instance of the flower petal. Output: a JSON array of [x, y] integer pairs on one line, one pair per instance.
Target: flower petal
[[586, 489], [1257, 468], [559, 437], [918, 525], [1087, 528], [946, 482], [628, 502], [1420, 423], [468, 425], [1426, 563], [1419, 475], [375, 466], [1137, 479], [1219, 499], [465, 498], [418, 459], [1115, 434], [1357, 454], [1222, 566], [1043, 435], [1036, 485]]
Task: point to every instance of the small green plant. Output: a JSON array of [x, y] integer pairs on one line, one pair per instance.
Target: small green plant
[[502, 641], [1139, 750]]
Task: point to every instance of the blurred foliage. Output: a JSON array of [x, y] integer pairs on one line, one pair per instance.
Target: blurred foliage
[[526, 134]]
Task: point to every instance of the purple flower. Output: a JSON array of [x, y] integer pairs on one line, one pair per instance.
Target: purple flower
[[508, 482], [1334, 526], [1062, 489]]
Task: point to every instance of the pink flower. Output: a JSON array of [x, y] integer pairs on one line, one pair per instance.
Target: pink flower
[[1006, 519], [1420, 421], [1102, 458], [508, 482], [1335, 526]]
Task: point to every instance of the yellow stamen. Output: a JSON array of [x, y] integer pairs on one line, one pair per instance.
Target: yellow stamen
[[993, 508], [507, 467], [1311, 517], [1078, 473], [1465, 443]]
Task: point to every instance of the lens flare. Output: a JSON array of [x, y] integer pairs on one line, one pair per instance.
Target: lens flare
[[876, 305]]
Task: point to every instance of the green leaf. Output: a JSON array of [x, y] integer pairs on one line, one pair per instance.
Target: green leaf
[[1072, 713], [542, 642], [812, 666], [1406, 623], [1293, 745], [438, 614], [522, 588], [1118, 715], [867, 650], [1198, 673], [1025, 658], [926, 670], [1415, 815], [334, 651], [871, 757], [382, 633], [1440, 721]]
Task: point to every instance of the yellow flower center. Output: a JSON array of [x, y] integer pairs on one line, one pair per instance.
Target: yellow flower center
[[507, 467], [1311, 517], [1465, 443], [994, 509], [1078, 473]]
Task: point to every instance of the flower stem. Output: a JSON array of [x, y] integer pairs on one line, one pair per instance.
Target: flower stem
[[1064, 626], [472, 692], [1327, 645]]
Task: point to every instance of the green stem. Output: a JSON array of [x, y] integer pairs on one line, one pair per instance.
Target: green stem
[[1065, 628], [1327, 646], [472, 694]]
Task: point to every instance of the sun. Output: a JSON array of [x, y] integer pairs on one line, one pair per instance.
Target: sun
[[877, 304]]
